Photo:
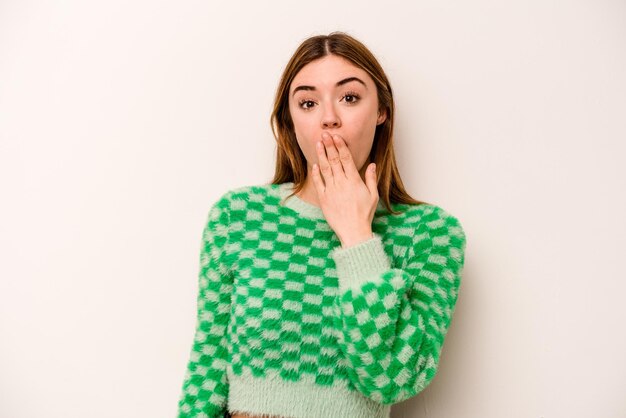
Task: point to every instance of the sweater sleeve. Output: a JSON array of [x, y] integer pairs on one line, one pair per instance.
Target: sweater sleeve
[[205, 386], [391, 321]]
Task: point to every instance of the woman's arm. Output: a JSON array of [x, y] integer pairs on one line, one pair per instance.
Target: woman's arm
[[391, 322], [205, 386]]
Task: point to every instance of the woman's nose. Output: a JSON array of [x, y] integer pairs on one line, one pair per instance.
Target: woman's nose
[[330, 119]]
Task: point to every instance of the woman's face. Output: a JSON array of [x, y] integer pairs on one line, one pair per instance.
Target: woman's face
[[333, 95]]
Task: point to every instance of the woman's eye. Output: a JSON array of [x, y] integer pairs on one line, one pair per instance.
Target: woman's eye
[[355, 98], [350, 98], [304, 102]]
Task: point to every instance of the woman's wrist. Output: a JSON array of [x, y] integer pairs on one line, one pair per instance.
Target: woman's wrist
[[356, 238]]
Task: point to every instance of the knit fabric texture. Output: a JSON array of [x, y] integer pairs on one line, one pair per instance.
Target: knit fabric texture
[[291, 324]]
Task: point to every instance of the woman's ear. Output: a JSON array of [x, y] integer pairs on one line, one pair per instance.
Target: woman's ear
[[381, 117]]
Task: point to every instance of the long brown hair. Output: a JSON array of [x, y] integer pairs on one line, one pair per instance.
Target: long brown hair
[[291, 164]]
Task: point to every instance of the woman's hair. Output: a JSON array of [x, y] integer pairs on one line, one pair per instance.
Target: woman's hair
[[291, 164]]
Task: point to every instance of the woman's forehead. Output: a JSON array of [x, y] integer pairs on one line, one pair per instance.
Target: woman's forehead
[[330, 73]]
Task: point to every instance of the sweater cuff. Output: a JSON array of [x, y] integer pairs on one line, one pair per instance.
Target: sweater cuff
[[360, 263]]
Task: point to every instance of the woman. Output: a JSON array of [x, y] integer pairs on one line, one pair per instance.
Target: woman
[[329, 291]]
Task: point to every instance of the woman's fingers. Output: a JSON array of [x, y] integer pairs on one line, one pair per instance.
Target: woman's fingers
[[337, 157], [345, 157], [371, 180], [317, 180], [324, 166], [332, 155]]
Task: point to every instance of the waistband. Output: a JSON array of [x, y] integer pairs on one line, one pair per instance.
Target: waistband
[[274, 396]]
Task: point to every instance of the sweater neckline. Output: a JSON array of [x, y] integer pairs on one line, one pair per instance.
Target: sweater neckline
[[305, 208], [294, 202]]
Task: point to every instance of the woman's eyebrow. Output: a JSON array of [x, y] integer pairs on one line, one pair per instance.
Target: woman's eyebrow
[[339, 83]]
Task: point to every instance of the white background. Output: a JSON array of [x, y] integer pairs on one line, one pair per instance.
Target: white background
[[121, 122]]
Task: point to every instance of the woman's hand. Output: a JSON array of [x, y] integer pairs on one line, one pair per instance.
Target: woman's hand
[[348, 204]]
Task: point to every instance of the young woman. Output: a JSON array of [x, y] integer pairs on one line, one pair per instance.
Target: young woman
[[329, 291]]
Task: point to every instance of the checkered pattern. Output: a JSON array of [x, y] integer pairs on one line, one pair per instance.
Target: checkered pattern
[[279, 296], [205, 390]]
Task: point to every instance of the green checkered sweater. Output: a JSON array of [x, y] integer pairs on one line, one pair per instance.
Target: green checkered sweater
[[291, 324]]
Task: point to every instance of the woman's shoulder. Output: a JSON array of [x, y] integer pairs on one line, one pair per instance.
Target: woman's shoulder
[[428, 218], [433, 212], [419, 212], [239, 197], [257, 188], [442, 225]]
